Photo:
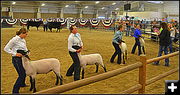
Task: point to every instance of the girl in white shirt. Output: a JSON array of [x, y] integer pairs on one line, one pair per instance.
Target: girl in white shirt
[[18, 43], [75, 45]]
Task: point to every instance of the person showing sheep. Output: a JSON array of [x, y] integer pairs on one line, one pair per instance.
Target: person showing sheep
[[42, 66], [137, 35], [123, 48], [18, 42], [90, 59], [117, 39], [75, 45]]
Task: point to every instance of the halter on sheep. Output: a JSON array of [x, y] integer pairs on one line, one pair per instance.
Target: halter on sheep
[[42, 66], [90, 59], [142, 43]]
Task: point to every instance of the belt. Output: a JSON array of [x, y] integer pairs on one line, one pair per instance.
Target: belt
[[76, 47]]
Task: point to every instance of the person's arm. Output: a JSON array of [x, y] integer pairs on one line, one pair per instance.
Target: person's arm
[[70, 45], [8, 47], [162, 34]]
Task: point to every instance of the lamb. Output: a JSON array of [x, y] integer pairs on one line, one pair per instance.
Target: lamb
[[123, 47], [90, 59], [142, 43], [42, 66]]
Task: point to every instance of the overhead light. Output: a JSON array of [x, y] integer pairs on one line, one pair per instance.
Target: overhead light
[[117, 9], [97, 2], [13, 3], [76, 1], [67, 6], [157, 2], [102, 8], [86, 6], [113, 3], [42, 4]]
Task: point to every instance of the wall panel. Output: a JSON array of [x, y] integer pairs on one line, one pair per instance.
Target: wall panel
[[4, 14], [49, 15], [24, 15]]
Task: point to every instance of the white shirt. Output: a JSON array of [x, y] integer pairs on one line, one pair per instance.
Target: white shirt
[[74, 40], [173, 33], [16, 43]]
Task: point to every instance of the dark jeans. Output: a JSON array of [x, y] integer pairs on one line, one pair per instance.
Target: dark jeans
[[170, 46], [45, 27], [161, 49], [117, 52], [137, 43], [75, 67], [17, 62]]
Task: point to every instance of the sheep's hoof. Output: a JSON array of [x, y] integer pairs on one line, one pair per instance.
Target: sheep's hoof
[[30, 89], [34, 91], [61, 83]]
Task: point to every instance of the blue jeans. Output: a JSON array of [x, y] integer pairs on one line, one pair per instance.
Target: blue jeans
[[17, 62], [170, 46], [161, 49]]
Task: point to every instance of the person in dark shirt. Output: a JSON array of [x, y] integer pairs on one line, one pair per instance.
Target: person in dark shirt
[[164, 42], [137, 34]]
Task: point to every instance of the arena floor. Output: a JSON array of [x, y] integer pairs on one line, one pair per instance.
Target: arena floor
[[54, 45]]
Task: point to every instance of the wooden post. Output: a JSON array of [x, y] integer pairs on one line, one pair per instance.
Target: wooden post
[[142, 74]]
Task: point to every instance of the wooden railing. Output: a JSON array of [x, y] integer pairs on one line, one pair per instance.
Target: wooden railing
[[142, 77]]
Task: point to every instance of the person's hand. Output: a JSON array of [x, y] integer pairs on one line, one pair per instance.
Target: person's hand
[[78, 51], [19, 54], [81, 47]]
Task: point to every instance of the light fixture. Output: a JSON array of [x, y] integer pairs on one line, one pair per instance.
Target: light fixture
[[102, 8], [117, 9], [97, 2], [86, 6], [113, 3], [157, 2], [13, 3], [76, 1], [42, 4], [67, 6]]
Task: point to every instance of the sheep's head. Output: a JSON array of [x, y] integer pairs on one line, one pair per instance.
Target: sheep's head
[[24, 53]]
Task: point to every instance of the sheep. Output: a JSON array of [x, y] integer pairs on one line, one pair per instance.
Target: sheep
[[142, 43], [42, 66], [123, 47], [90, 59]]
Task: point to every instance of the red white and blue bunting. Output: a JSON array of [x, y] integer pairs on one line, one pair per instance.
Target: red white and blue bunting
[[23, 21], [72, 21], [11, 21], [62, 20], [49, 20], [107, 22], [94, 22], [2, 20], [38, 19], [83, 21]]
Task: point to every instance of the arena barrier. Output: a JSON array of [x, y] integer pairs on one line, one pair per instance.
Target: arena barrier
[[142, 77]]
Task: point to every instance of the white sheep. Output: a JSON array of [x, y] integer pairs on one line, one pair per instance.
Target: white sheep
[[123, 47], [42, 66], [142, 43], [90, 59]]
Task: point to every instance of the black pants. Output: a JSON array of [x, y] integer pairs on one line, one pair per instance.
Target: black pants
[[117, 52], [137, 43], [45, 27], [17, 62]]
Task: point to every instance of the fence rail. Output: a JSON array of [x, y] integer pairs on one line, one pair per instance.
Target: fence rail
[[142, 77]]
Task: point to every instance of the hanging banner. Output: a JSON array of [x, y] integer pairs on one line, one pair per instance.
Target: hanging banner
[[2, 20], [62, 20], [23, 21], [83, 21], [72, 21], [94, 22], [11, 21], [107, 22]]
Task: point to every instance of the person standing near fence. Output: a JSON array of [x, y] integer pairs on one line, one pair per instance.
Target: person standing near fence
[[116, 42], [137, 35], [45, 25], [75, 45], [164, 42], [18, 43]]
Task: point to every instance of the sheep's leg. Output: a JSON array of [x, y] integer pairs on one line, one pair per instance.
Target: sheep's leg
[[126, 54], [31, 84], [105, 68], [57, 79], [143, 50], [83, 73], [124, 58], [61, 81], [97, 67]]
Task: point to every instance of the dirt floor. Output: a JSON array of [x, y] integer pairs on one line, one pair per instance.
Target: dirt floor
[[54, 45]]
